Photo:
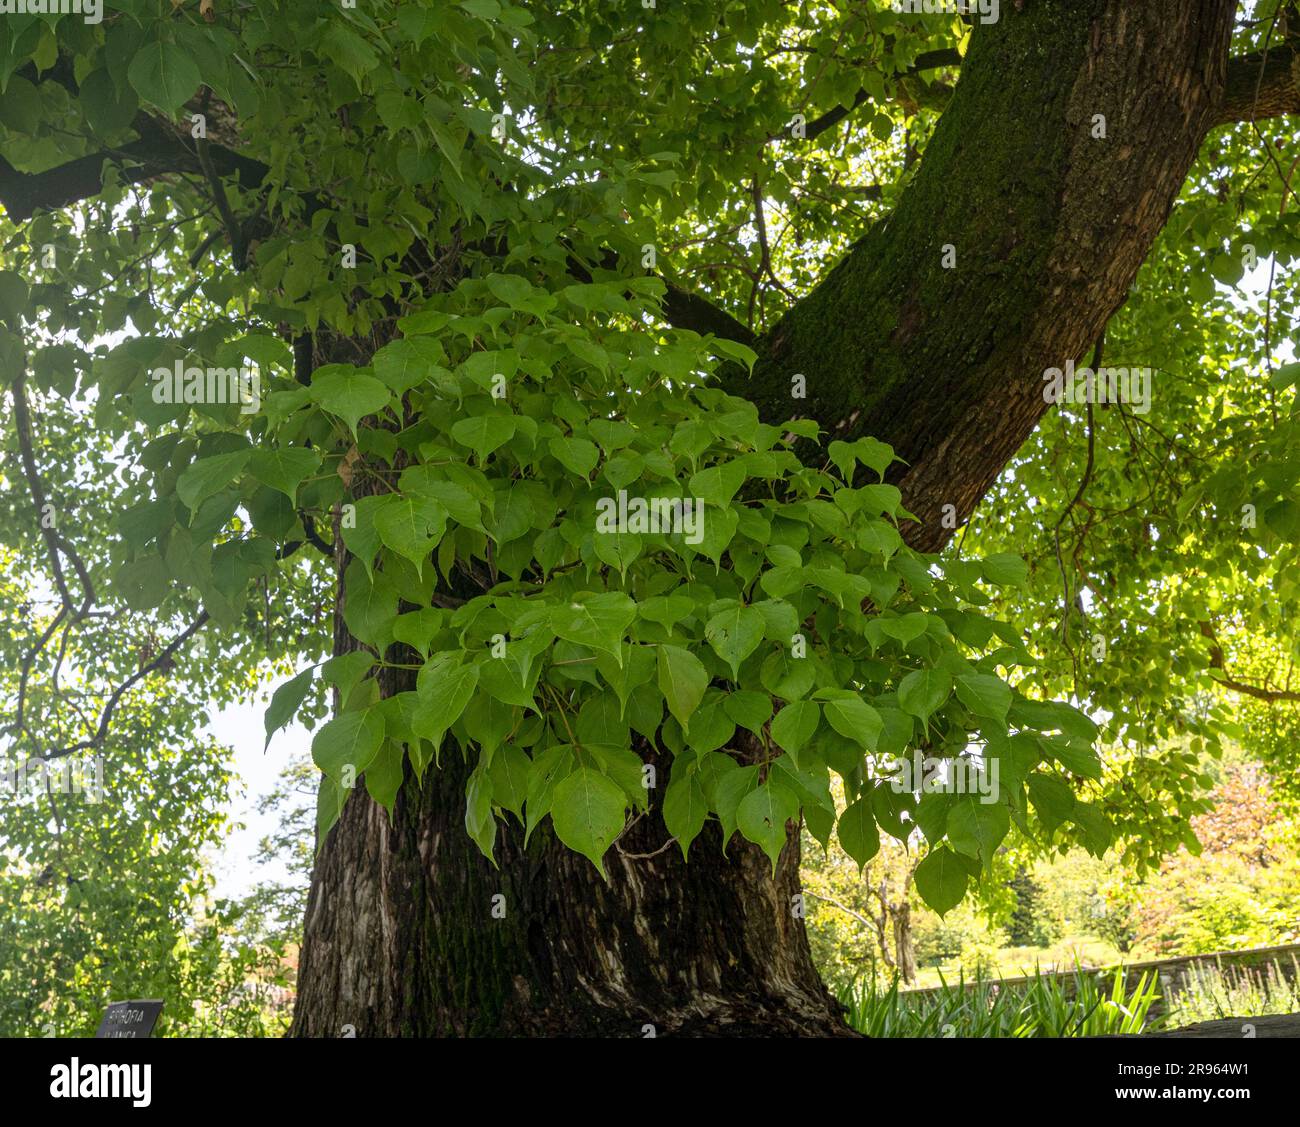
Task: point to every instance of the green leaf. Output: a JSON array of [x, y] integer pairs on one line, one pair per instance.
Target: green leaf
[[922, 692], [370, 605], [349, 394], [858, 833], [417, 628], [208, 476], [411, 524], [484, 433], [162, 73], [711, 727], [575, 454], [1052, 799], [444, 691], [874, 454], [718, 484], [108, 108], [600, 721], [730, 785], [985, 695], [889, 806], [734, 634], [599, 621], [734, 350], [786, 676], [977, 829], [795, 724], [941, 880], [1005, 570], [403, 364], [384, 774], [750, 710], [359, 535], [348, 741], [685, 807], [762, 815], [853, 717], [498, 678], [509, 775], [13, 298], [345, 671], [547, 769], [329, 805], [285, 702], [682, 679], [284, 468], [143, 583], [480, 823], [588, 811]]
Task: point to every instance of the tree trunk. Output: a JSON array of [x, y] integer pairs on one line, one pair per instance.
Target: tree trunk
[[1049, 224], [410, 931], [903, 940]]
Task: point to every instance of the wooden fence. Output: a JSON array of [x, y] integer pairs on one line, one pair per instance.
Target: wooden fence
[[1174, 973]]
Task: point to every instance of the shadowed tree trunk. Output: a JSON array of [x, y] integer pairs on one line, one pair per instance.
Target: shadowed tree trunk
[[1049, 221], [412, 932]]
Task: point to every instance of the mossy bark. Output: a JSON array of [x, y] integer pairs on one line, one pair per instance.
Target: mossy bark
[[1067, 140]]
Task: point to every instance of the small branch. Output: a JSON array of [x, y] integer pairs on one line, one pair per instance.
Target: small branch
[[106, 716], [1258, 692], [843, 908], [929, 60], [23, 422], [643, 856], [238, 249]]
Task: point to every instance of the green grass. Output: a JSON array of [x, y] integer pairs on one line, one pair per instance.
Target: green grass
[[1043, 1007], [1210, 993]]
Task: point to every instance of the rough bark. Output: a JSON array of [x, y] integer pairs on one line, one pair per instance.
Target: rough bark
[[402, 939], [1049, 225]]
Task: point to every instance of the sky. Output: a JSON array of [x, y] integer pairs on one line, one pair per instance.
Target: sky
[[240, 728]]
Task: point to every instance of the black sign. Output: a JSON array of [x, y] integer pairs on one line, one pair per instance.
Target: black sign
[[129, 1019]]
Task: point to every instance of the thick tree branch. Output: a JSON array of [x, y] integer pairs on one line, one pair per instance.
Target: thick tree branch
[[681, 308], [1261, 85], [1006, 253], [157, 153], [930, 60], [686, 310]]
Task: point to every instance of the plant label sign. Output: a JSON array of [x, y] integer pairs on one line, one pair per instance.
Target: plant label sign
[[129, 1019]]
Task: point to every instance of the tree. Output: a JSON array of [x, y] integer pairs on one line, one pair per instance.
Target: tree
[[530, 340]]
